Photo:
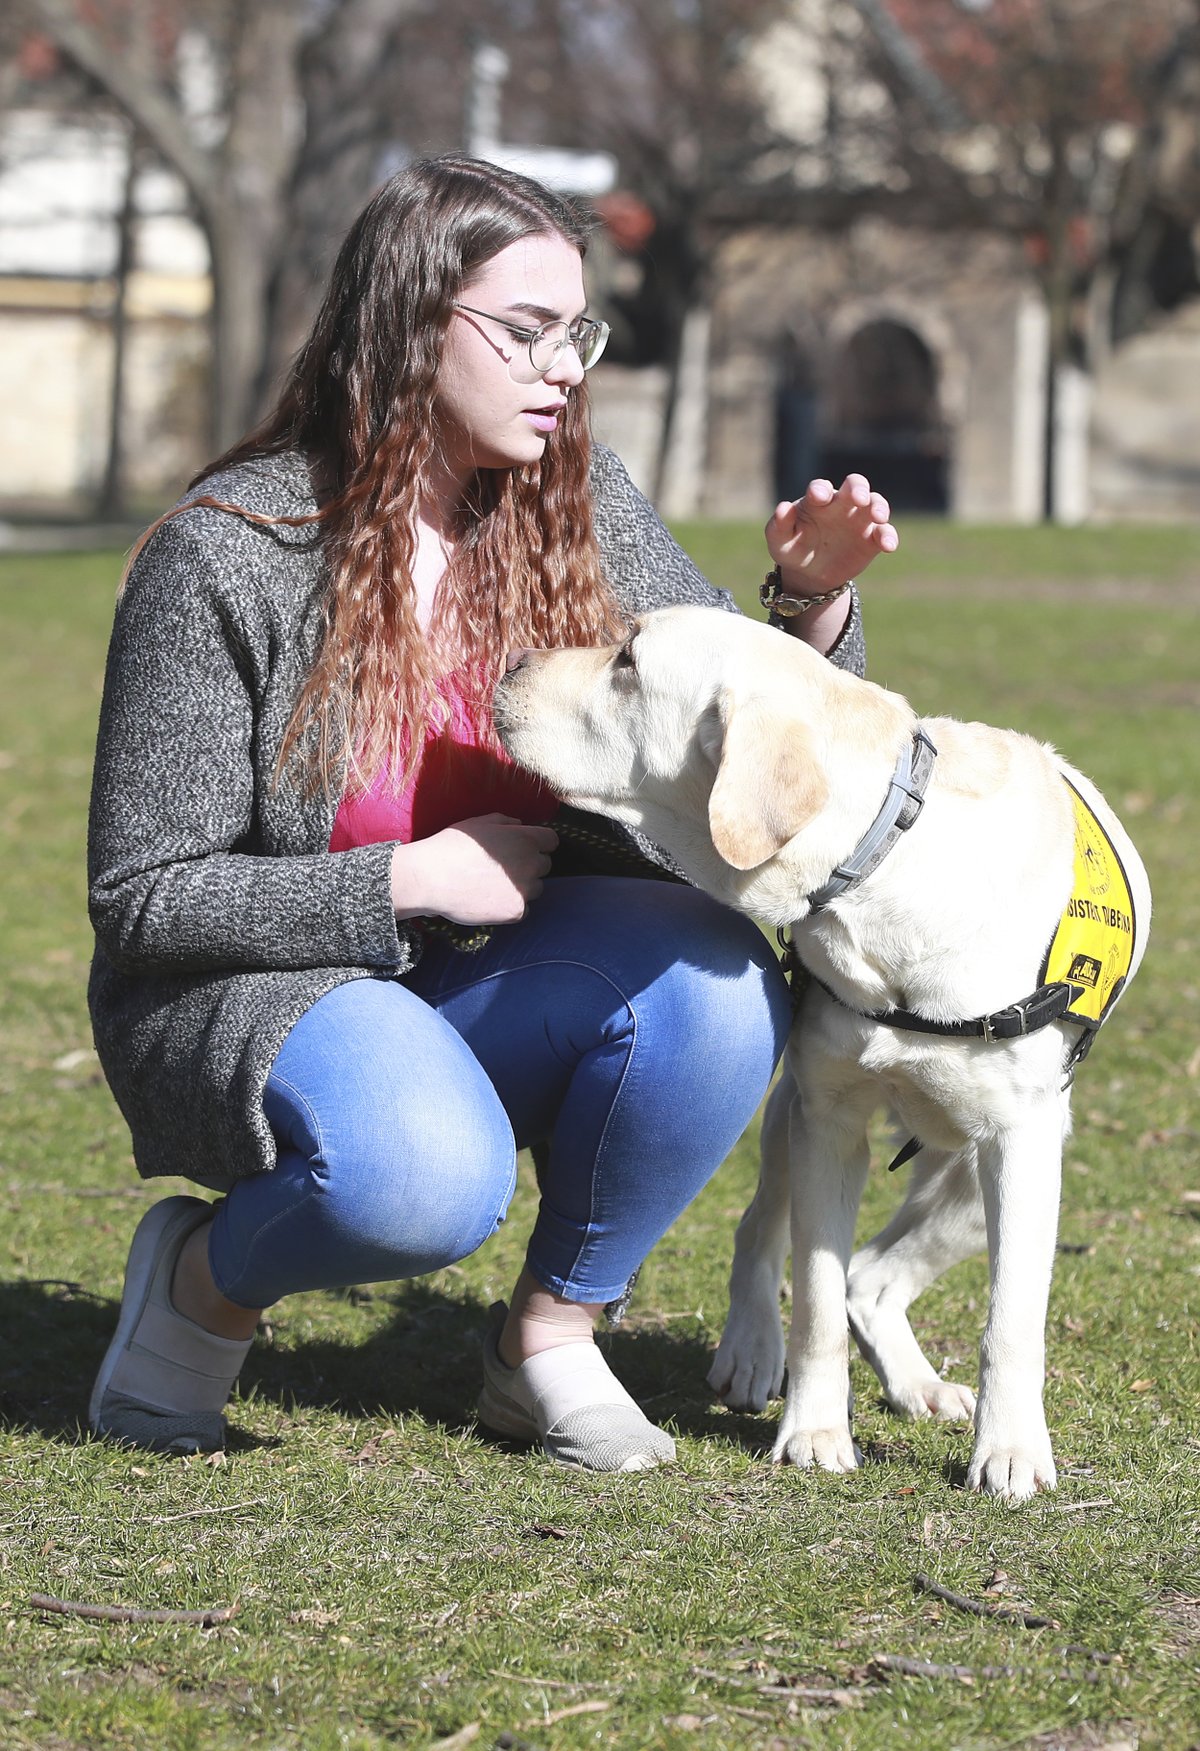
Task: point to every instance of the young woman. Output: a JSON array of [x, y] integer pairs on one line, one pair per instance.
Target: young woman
[[297, 791]]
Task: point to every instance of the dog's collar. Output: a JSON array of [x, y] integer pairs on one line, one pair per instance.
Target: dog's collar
[[903, 803]]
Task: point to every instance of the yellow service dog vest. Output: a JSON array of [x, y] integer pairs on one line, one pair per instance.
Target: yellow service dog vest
[[1092, 949], [1085, 967]]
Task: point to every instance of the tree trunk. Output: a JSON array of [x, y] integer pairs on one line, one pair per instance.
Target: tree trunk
[[239, 284], [680, 482], [238, 187], [679, 262], [110, 501], [1057, 288], [346, 74]]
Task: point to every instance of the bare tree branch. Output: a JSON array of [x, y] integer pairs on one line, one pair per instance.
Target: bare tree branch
[[141, 98]]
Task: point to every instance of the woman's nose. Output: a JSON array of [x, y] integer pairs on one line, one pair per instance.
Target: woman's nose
[[567, 368]]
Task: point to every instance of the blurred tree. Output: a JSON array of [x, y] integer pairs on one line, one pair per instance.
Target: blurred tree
[[35, 78], [256, 108], [674, 91], [671, 89], [1153, 243], [1044, 118], [211, 86], [353, 120]]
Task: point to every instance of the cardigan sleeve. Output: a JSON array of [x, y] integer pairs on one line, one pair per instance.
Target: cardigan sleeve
[[173, 883], [648, 569]]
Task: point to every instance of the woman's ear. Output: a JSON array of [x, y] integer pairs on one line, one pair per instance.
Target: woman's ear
[[769, 783]]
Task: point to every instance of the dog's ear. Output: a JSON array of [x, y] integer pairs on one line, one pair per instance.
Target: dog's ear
[[769, 783]]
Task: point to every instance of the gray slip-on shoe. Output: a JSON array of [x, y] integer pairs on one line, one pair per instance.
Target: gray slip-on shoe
[[164, 1380], [571, 1404]]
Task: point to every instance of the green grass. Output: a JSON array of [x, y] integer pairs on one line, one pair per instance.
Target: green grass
[[399, 1579]]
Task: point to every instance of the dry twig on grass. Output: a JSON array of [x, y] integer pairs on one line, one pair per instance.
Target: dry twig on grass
[[576, 1708], [882, 1665], [464, 1736], [977, 1608], [132, 1613], [811, 1694]]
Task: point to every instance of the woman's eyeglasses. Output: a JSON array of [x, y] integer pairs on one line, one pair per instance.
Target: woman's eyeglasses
[[545, 344]]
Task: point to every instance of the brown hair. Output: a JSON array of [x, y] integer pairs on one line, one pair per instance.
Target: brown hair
[[360, 402]]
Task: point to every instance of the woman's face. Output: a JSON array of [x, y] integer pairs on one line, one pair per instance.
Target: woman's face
[[489, 418]]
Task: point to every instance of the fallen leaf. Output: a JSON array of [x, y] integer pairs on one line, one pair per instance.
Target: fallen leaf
[[687, 1723], [1141, 1385], [368, 1453]]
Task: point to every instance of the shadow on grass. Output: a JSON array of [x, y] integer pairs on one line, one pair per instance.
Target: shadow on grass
[[57, 1332], [423, 1359]]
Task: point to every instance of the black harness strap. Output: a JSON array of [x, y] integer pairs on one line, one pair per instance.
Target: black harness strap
[[1026, 1016]]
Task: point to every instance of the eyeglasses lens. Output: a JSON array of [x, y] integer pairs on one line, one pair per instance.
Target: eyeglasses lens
[[588, 341]]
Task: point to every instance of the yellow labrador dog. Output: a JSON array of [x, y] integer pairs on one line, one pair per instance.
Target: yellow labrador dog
[[923, 868]]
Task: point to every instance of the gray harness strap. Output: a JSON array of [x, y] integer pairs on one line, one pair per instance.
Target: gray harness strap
[[903, 803]]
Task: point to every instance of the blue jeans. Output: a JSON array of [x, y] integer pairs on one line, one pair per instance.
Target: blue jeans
[[631, 1025]]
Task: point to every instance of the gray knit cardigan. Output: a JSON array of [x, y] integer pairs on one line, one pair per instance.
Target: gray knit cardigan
[[220, 913]]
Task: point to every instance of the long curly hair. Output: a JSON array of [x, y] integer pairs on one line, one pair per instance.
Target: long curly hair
[[360, 402]]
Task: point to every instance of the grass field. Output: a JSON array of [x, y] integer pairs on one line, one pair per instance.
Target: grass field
[[398, 1579]]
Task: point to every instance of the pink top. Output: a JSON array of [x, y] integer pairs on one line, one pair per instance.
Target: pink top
[[461, 772]]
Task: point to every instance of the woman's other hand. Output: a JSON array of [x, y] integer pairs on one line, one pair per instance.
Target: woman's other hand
[[481, 871], [829, 535]]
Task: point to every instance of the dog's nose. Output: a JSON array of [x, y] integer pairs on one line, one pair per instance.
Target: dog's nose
[[516, 660]]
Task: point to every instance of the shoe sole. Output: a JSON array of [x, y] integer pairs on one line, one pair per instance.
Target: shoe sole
[[139, 1275]]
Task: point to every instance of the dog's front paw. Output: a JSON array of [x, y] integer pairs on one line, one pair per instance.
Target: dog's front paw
[[943, 1399], [1013, 1473], [827, 1449], [747, 1370]]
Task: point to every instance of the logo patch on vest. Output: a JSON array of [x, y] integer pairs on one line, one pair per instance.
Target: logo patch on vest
[[1093, 945]]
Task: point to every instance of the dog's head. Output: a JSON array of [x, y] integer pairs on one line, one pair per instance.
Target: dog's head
[[703, 729]]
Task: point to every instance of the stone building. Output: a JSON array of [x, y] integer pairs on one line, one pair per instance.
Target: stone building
[[918, 357]]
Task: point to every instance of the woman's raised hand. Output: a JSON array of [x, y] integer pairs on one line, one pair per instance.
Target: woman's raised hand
[[481, 871], [829, 535]]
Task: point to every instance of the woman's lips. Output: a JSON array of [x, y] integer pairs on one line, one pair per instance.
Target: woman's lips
[[544, 419]]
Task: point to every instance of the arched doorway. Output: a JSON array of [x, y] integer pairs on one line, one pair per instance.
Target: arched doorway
[[883, 417]]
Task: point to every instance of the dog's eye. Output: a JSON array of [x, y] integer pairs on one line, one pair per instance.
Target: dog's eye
[[624, 657]]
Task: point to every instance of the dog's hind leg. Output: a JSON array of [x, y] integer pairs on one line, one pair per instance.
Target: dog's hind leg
[[747, 1369], [940, 1223]]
